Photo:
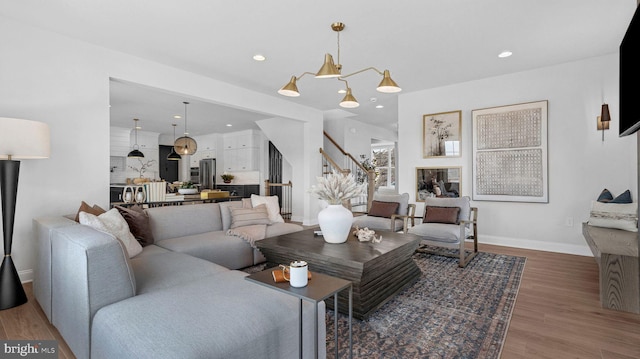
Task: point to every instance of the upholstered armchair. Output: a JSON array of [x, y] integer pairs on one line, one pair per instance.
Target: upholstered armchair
[[388, 212], [448, 222]]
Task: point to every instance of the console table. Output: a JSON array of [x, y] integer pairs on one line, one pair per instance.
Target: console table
[[616, 252]]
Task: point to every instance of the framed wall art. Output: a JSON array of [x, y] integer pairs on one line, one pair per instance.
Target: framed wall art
[[510, 153], [438, 182], [441, 134]]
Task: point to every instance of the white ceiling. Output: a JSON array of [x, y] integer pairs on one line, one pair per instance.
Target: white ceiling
[[424, 43]]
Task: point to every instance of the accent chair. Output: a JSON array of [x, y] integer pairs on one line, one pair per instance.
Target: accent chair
[[448, 222], [388, 212]]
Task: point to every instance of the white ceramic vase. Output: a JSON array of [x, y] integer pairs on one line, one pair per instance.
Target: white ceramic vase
[[335, 223]]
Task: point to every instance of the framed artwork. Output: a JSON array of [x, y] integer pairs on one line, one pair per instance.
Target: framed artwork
[[441, 134], [438, 182], [510, 153]]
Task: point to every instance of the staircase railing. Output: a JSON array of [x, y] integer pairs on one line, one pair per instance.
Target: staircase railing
[[350, 165], [284, 193]]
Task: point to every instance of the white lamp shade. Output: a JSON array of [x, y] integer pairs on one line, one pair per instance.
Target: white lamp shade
[[23, 139]]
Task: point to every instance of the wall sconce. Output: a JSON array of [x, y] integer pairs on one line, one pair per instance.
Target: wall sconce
[[604, 119]]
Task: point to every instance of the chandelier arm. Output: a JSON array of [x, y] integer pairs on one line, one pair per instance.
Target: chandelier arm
[[363, 70], [304, 73], [343, 80]]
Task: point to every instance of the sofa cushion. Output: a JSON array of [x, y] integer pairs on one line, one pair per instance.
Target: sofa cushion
[[179, 221], [383, 209], [241, 217], [157, 268], [112, 222], [376, 223], [273, 206], [225, 212], [441, 215], [219, 316], [278, 229], [439, 232], [138, 222], [228, 251]]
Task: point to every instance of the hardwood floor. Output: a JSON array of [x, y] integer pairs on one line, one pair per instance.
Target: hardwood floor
[[557, 313]]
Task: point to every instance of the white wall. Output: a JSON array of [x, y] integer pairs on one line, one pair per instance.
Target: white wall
[[65, 83], [580, 164]]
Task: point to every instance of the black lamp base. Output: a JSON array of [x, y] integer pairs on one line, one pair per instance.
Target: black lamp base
[[11, 291]]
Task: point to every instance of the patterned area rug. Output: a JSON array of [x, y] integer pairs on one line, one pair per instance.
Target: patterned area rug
[[450, 312]]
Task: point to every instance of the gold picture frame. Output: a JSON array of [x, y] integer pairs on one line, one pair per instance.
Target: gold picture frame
[[442, 134], [443, 181]]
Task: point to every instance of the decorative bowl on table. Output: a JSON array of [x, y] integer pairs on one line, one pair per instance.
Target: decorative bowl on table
[[187, 190]]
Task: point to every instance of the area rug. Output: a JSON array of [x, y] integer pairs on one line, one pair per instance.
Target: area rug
[[450, 312]]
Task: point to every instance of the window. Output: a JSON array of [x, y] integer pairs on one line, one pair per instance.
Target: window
[[385, 160]]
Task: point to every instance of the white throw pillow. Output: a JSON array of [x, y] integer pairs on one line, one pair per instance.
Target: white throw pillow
[[113, 223], [272, 206], [614, 215]]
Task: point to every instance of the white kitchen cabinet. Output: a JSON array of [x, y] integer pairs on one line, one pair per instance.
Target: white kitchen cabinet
[[242, 139], [201, 154], [242, 159]]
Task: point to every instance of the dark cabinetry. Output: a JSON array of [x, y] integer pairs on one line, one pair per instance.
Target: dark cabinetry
[[241, 190]]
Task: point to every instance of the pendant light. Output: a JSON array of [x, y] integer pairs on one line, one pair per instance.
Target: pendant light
[[173, 156], [135, 153], [185, 145]]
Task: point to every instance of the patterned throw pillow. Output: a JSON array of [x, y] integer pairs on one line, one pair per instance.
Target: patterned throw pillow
[[448, 215], [383, 209], [273, 207], [112, 222], [241, 217], [614, 215]]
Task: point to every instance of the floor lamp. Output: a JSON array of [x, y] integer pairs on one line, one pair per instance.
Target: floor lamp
[[19, 139]]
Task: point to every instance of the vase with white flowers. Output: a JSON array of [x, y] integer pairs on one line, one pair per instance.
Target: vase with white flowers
[[335, 220]]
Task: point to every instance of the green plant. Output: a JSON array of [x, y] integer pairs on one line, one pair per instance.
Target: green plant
[[187, 185], [227, 176]]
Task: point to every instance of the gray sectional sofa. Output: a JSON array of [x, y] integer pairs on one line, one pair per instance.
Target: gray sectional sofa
[[179, 298]]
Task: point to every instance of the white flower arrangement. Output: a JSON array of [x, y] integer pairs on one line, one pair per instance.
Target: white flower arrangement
[[337, 187]]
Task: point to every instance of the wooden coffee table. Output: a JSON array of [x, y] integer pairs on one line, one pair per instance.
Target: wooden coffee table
[[378, 271]]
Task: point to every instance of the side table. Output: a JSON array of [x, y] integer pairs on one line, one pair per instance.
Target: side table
[[320, 287]]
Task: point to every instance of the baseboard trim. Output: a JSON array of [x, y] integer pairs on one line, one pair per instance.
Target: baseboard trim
[[580, 250], [26, 275]]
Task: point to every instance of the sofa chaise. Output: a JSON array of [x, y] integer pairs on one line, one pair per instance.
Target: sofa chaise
[[181, 297]]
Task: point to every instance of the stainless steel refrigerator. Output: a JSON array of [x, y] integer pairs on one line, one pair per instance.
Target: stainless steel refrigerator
[[208, 173]]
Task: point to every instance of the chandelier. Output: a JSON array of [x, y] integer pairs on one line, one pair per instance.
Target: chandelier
[[331, 70]]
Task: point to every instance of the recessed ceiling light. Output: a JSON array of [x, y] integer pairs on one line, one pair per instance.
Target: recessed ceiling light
[[379, 106], [177, 116], [138, 127], [229, 125], [342, 91], [259, 57], [504, 54]]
